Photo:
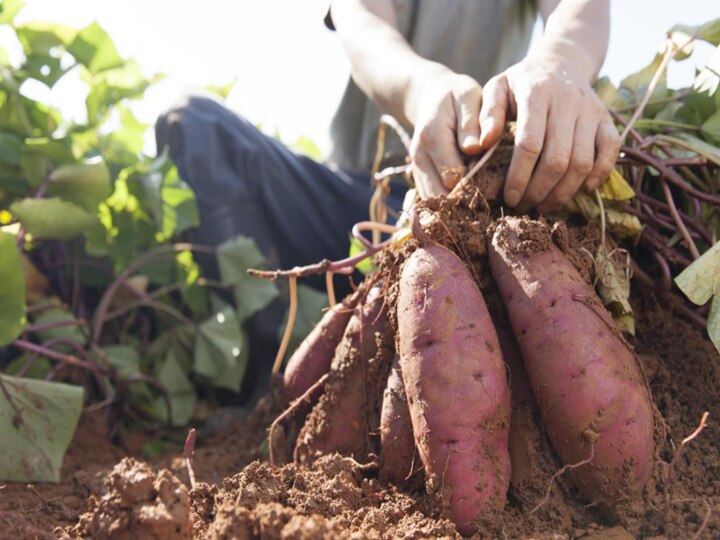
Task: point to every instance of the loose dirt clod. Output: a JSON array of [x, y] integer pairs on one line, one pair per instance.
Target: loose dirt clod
[[138, 504]]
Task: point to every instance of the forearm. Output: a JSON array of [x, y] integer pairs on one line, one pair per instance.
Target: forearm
[[576, 35], [384, 65]]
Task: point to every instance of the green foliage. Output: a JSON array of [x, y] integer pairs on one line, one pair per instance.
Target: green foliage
[[12, 290], [37, 421], [701, 284], [52, 218], [681, 125], [102, 222], [366, 266], [251, 294]]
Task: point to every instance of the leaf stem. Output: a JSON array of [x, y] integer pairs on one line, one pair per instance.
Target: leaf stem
[[288, 328]]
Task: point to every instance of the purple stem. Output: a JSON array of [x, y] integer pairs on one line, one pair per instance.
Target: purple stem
[[53, 324], [656, 241], [659, 205], [62, 357], [359, 235], [667, 277], [158, 254], [679, 222], [671, 175]]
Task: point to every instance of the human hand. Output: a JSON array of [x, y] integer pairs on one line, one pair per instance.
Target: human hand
[[447, 112], [564, 135]]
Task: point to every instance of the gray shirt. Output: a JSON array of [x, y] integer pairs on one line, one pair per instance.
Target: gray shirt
[[479, 38]]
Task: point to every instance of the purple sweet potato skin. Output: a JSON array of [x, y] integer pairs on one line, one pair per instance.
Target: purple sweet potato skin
[[312, 359], [396, 433], [588, 383], [337, 423], [455, 384]]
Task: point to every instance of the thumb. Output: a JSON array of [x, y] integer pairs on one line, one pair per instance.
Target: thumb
[[494, 111]]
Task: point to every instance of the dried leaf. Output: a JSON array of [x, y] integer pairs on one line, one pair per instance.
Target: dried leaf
[[619, 223], [616, 188]]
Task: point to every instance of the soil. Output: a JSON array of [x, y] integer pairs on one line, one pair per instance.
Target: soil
[[106, 491]]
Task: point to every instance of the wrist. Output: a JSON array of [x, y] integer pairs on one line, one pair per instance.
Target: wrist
[[565, 59]]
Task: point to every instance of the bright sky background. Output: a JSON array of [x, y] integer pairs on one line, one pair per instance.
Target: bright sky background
[[290, 69]]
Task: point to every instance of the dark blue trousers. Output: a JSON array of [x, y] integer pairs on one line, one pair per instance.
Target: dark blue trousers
[[298, 211]]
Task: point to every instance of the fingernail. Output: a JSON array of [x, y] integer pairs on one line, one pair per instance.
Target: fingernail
[[512, 197], [470, 140]]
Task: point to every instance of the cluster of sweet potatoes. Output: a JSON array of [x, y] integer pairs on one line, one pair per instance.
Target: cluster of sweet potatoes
[[422, 378]]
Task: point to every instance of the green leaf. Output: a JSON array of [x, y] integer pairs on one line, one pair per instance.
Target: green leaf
[[608, 94], [93, 48], [12, 290], [219, 347], [85, 184], [124, 359], [40, 367], [8, 10], [38, 429], [124, 146], [633, 88], [701, 280], [309, 312], [221, 90], [42, 153], [28, 118], [694, 144], [710, 31], [45, 68], [711, 128], [231, 377], [52, 218], [235, 257], [181, 392], [252, 294], [10, 145], [366, 266], [39, 37], [305, 146], [714, 322], [171, 202], [111, 86], [66, 332]]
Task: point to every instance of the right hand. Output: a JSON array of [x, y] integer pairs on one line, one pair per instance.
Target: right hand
[[447, 112]]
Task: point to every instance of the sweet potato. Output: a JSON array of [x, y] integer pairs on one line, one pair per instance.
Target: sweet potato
[[312, 359], [525, 436], [338, 422], [396, 434], [455, 384], [587, 381]]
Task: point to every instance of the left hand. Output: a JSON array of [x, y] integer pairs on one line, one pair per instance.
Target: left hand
[[564, 134]]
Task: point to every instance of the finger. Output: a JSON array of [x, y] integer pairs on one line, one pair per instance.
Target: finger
[[529, 137], [555, 157], [608, 146], [581, 163], [493, 113], [467, 111], [445, 159], [427, 178]]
